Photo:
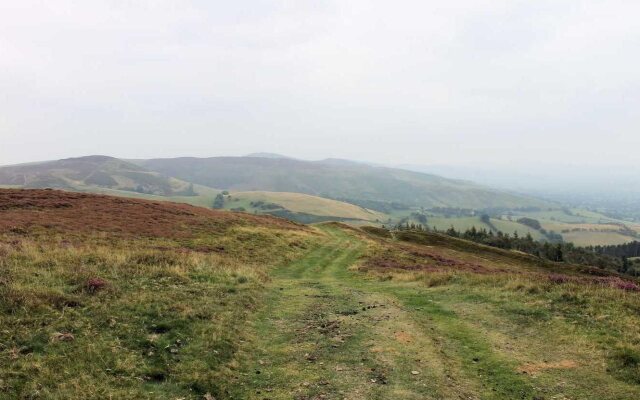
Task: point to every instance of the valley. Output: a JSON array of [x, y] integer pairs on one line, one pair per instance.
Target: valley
[[329, 190]]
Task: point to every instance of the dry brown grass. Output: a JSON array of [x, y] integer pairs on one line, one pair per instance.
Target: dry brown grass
[[26, 211]]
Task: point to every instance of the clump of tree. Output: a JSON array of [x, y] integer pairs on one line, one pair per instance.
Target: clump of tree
[[189, 191], [530, 222], [420, 217], [411, 226], [628, 250], [266, 206], [218, 202]]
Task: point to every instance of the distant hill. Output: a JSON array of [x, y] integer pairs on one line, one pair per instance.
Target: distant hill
[[305, 191], [358, 183], [269, 155], [112, 176], [91, 173]]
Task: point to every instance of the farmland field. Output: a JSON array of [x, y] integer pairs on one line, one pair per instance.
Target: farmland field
[[303, 203]]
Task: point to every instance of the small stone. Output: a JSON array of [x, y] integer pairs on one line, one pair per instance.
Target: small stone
[[63, 337], [415, 373]]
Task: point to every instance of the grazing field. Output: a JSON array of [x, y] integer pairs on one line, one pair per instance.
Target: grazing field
[[594, 238], [104, 297], [510, 227], [303, 203]]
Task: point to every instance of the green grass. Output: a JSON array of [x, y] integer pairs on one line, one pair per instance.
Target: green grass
[[321, 334], [587, 238], [163, 323], [303, 203], [306, 315], [497, 337]]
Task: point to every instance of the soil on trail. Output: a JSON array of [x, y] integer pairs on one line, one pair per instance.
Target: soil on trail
[[323, 335], [329, 331]]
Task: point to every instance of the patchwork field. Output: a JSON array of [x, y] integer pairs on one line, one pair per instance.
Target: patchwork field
[[104, 297], [595, 238], [302, 203]]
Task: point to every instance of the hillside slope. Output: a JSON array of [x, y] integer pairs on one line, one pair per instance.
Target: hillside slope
[[92, 173], [111, 176], [105, 297], [337, 179], [299, 203]]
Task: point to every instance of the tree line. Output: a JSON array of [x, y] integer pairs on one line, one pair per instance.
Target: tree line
[[631, 249], [605, 257]]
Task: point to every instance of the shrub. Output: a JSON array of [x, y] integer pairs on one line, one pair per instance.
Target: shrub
[[95, 284]]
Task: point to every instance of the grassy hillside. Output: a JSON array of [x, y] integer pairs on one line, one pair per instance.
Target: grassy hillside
[[105, 297], [355, 182], [93, 173], [262, 202]]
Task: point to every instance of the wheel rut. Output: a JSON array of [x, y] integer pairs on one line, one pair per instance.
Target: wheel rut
[[324, 335]]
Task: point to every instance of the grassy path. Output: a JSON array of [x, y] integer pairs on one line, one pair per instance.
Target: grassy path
[[323, 334], [329, 333]]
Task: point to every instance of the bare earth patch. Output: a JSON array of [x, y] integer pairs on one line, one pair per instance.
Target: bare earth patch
[[534, 368]]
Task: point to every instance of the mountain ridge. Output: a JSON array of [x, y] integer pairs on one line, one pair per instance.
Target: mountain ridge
[[370, 186], [348, 181]]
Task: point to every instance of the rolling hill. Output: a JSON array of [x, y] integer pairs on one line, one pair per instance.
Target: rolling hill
[[298, 205], [90, 173], [112, 176], [357, 183]]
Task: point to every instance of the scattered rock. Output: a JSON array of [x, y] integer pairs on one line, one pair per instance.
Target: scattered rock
[[63, 337]]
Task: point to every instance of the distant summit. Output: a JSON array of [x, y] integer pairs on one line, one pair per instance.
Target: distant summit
[[269, 155], [341, 162], [93, 172]]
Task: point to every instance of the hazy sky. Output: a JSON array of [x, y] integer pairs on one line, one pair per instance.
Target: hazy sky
[[421, 82]]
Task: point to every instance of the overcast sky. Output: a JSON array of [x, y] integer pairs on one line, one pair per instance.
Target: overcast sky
[[420, 82]]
